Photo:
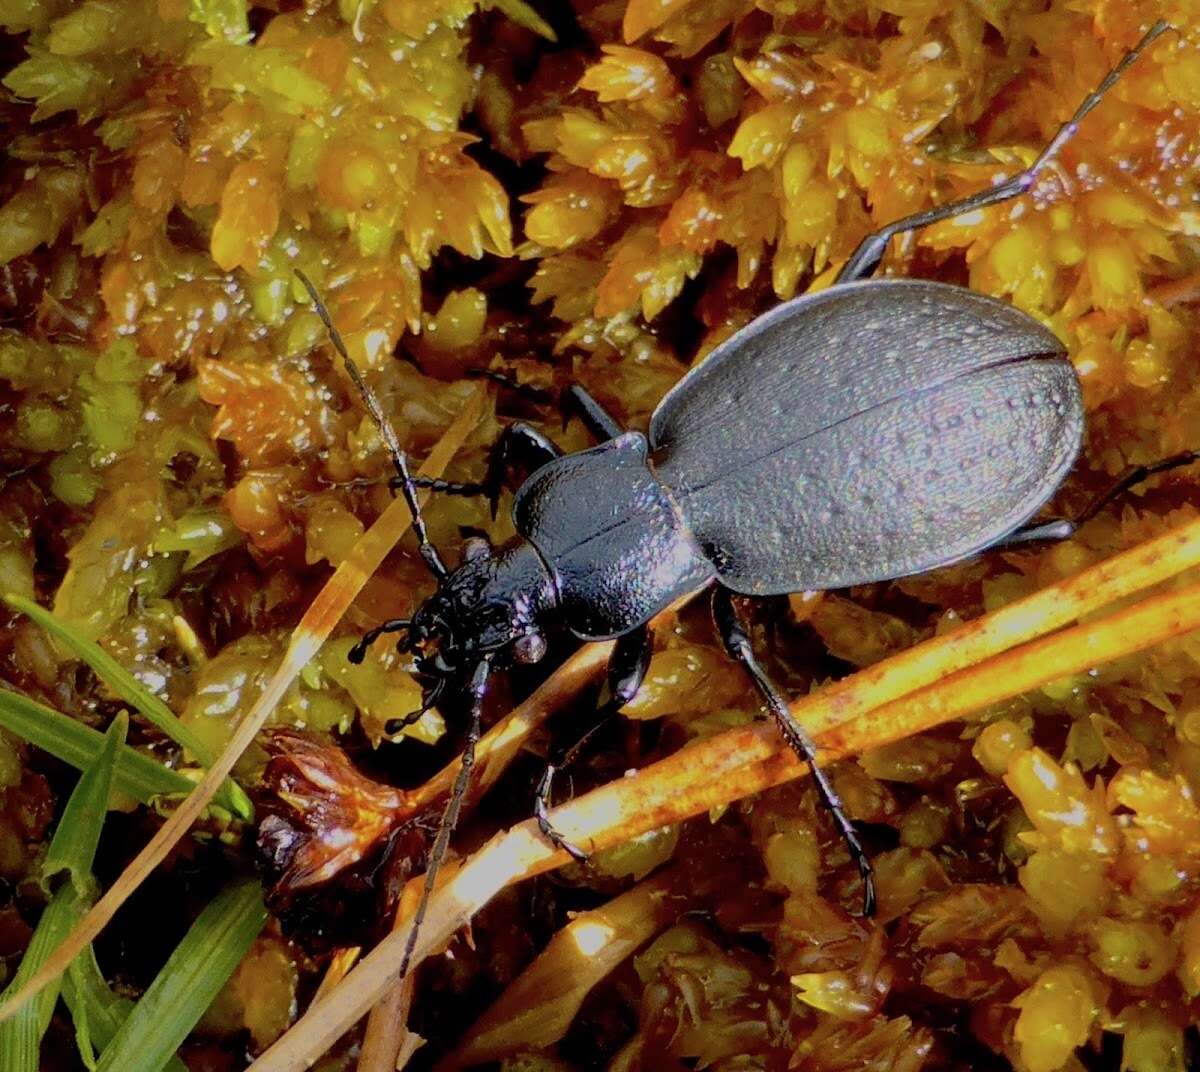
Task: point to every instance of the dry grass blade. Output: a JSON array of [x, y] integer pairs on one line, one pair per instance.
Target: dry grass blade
[[386, 1033], [316, 625], [935, 682], [538, 1007], [498, 746], [338, 968]]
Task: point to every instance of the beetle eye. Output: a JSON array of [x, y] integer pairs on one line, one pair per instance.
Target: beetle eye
[[475, 547], [529, 648]]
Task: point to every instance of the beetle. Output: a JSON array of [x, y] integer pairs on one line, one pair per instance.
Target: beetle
[[869, 431]]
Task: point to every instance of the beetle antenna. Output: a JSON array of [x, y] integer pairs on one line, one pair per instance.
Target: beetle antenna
[[395, 725], [399, 459], [437, 854], [359, 652]]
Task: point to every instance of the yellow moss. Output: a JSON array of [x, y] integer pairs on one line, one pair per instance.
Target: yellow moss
[[998, 744], [1135, 953], [1056, 1016], [672, 177]]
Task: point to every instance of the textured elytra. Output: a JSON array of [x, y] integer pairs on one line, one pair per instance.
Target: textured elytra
[[865, 433]]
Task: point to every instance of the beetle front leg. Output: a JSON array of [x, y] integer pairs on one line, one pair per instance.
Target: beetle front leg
[[1063, 528], [626, 672], [442, 487], [519, 444], [595, 417], [737, 643]]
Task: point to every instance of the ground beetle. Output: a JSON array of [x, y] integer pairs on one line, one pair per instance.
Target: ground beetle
[[866, 432]]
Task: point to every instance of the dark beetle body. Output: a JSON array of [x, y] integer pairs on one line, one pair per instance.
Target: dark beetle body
[[862, 433], [615, 544], [870, 431], [865, 432]]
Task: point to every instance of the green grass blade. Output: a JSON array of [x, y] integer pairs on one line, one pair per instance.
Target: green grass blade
[[125, 685], [97, 1010], [20, 1037], [74, 743], [197, 969], [73, 847], [115, 676], [91, 1009]]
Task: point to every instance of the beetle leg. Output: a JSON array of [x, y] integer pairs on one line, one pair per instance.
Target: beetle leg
[[395, 483], [626, 672], [869, 253], [519, 443], [504, 379], [536, 447], [595, 417], [444, 487], [1063, 528], [737, 642]]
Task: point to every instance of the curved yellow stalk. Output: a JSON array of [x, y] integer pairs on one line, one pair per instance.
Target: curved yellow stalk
[[984, 662]]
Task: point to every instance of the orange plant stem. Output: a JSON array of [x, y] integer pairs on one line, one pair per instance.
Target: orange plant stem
[[936, 682]]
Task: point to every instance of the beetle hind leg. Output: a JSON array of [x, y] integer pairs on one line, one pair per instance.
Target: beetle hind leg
[[737, 644], [869, 253], [626, 672], [1063, 528]]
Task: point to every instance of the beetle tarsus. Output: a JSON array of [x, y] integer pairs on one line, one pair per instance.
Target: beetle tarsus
[[1063, 528], [444, 487], [1133, 476], [541, 805], [737, 643]]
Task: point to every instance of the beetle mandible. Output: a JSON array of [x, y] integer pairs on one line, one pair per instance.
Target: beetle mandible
[[873, 430]]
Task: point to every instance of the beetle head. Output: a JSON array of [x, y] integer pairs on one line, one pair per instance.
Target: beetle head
[[492, 604]]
